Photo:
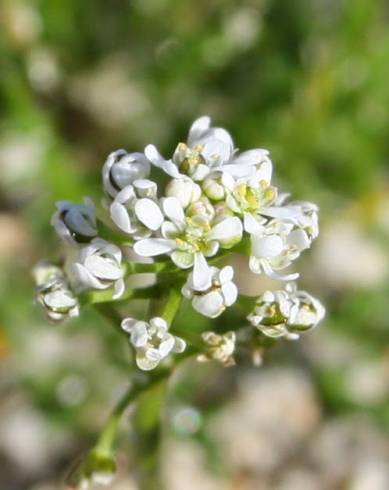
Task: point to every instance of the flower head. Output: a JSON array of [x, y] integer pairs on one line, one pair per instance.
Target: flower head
[[207, 149], [122, 169], [286, 313], [152, 341], [250, 198], [98, 266], [75, 223], [303, 214], [211, 290], [275, 246], [53, 293], [186, 237]]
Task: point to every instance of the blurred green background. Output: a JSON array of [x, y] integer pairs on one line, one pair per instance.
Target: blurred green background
[[307, 79]]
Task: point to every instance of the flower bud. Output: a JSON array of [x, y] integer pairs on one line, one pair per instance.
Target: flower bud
[[96, 468], [122, 169], [53, 294], [75, 223], [185, 190], [213, 187], [219, 348], [202, 208]]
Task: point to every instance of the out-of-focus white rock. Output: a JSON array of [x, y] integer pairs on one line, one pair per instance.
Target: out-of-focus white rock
[[347, 257], [276, 409], [184, 467]]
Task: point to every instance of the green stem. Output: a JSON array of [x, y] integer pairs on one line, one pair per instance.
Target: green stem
[[171, 306], [148, 436], [105, 442]]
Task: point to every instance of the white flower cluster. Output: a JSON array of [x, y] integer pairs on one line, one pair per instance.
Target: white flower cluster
[[286, 313], [215, 197]]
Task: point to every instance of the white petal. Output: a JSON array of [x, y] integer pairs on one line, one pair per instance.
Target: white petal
[[145, 188], [169, 230], [201, 172], [158, 323], [179, 345], [128, 324], [202, 277], [186, 291], [210, 305], [246, 165], [153, 354], [228, 180], [151, 247], [173, 210], [198, 128], [230, 293], [114, 250], [78, 223], [103, 268], [148, 213], [226, 274], [60, 299], [85, 278], [183, 260], [119, 288], [265, 171], [139, 334], [226, 230], [251, 224], [211, 249], [267, 246], [166, 346], [299, 239], [125, 195], [222, 135], [278, 277], [120, 217], [216, 152], [157, 160], [144, 363], [238, 171]]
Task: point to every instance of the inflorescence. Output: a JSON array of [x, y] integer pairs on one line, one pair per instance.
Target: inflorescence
[[217, 201]]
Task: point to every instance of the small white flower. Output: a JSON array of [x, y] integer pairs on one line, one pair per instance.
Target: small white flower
[[187, 237], [219, 348], [286, 313], [250, 198], [302, 214], [99, 267], [53, 293], [207, 149], [184, 189], [135, 209], [122, 169], [275, 246], [210, 289], [75, 223], [152, 341]]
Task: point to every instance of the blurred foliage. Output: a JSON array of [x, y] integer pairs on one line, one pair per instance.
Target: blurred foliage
[[305, 79]]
